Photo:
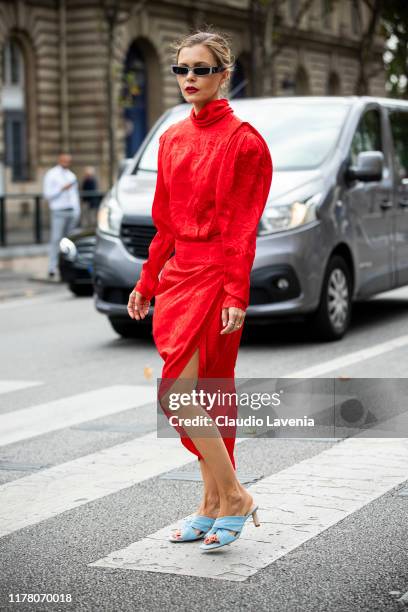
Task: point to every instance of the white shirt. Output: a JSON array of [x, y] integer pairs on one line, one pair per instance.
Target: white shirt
[[54, 180]]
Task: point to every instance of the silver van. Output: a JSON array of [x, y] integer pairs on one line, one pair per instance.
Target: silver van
[[335, 227]]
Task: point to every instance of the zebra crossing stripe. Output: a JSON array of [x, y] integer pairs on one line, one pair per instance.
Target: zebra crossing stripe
[[22, 424], [338, 363], [295, 505], [8, 386], [31, 499]]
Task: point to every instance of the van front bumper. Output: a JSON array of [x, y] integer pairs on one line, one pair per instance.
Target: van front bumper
[[285, 279], [258, 312]]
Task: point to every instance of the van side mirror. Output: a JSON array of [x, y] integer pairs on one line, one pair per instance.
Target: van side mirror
[[123, 164], [369, 167]]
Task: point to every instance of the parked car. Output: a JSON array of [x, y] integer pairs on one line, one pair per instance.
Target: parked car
[[75, 260], [335, 227]]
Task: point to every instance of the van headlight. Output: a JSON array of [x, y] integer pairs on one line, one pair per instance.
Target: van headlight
[[281, 217], [109, 215]]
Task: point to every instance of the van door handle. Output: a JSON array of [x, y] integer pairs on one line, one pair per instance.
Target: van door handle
[[386, 203]]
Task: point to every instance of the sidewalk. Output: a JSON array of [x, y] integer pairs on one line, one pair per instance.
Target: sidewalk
[[24, 272], [23, 250], [24, 265]]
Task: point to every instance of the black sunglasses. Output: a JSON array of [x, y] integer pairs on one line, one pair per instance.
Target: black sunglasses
[[197, 70]]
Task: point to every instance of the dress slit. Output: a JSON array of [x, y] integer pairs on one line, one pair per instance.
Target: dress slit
[[187, 317], [174, 366]]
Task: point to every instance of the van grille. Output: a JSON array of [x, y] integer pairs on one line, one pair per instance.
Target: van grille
[[137, 238], [115, 295]]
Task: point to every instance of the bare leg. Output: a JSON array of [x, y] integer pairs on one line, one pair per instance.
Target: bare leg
[[234, 498], [210, 503]]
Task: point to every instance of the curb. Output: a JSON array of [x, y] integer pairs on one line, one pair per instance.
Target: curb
[[25, 250], [45, 279]]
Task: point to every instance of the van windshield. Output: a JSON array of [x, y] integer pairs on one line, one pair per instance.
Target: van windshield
[[299, 135]]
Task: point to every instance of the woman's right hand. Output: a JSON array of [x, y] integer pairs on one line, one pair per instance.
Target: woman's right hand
[[138, 305]]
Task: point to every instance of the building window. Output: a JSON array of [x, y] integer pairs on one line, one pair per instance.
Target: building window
[[293, 9], [326, 12], [15, 144], [14, 110], [133, 98], [13, 64], [355, 17]]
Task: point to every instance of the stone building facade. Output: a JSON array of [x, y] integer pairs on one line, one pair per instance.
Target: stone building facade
[[55, 67]]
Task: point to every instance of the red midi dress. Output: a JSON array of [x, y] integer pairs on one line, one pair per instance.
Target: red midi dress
[[213, 181]]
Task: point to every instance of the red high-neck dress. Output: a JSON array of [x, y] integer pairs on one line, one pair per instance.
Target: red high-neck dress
[[214, 177]]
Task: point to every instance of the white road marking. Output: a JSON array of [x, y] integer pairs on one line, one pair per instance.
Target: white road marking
[[350, 358], [404, 598], [7, 386], [31, 499], [295, 505], [29, 422]]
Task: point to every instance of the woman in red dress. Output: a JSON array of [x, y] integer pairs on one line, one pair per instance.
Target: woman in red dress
[[214, 177]]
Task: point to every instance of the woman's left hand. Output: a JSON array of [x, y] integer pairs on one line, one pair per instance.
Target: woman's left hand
[[233, 319]]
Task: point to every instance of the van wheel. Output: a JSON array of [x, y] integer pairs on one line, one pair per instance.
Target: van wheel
[[131, 329], [332, 318]]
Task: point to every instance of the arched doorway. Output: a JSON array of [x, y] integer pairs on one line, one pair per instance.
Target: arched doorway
[[333, 84], [302, 87], [134, 98], [238, 88]]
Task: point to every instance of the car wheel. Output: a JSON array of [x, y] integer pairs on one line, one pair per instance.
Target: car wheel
[[131, 329], [81, 290], [332, 318]]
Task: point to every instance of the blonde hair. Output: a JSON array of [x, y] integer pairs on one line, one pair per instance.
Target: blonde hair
[[217, 42]]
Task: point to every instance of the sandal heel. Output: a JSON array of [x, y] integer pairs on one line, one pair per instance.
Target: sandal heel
[[255, 518]]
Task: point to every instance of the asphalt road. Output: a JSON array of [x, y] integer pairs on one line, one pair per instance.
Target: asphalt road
[[84, 480]]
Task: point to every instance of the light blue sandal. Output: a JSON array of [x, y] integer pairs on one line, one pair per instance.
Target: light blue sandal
[[203, 523], [224, 524]]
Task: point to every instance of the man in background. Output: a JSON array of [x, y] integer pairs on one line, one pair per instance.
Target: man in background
[[90, 184], [60, 188]]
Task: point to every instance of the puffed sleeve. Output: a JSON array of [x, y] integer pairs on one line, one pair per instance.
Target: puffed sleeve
[[245, 180], [163, 241]]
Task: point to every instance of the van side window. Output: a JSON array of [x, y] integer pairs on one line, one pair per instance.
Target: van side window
[[367, 136], [399, 129]]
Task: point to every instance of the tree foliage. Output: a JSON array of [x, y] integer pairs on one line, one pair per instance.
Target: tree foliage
[[395, 20]]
